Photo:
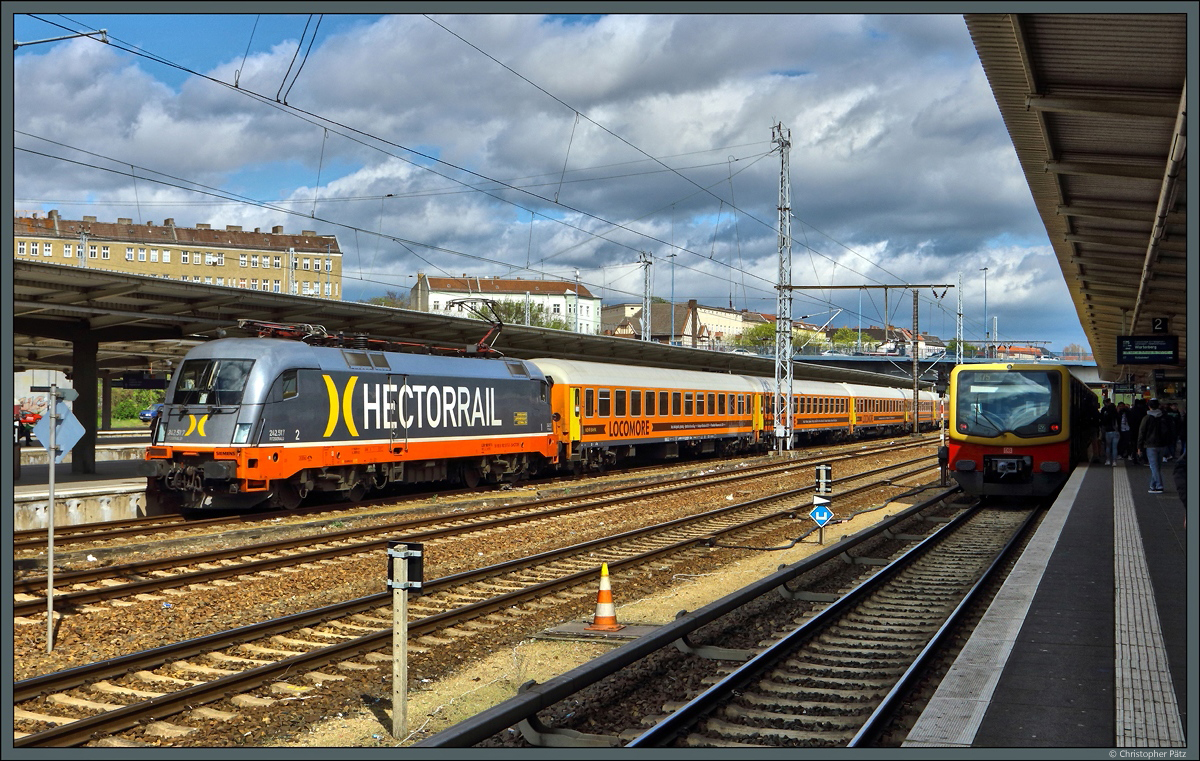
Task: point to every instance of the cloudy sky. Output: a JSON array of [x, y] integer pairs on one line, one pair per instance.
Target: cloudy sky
[[534, 146]]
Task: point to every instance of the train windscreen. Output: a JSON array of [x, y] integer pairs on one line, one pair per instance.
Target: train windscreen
[[1025, 403], [212, 381]]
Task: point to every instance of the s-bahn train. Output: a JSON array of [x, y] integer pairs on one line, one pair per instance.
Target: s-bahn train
[[268, 421], [1017, 429]]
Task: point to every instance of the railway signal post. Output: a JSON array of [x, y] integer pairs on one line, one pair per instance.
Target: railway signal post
[[60, 430], [822, 513], [406, 570]]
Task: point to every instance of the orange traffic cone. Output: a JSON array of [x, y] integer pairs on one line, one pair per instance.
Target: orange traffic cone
[[605, 619]]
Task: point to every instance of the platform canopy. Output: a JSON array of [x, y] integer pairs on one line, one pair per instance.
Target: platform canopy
[[147, 323], [1095, 104]]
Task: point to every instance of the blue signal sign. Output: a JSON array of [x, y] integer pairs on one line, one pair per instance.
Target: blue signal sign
[[821, 512]]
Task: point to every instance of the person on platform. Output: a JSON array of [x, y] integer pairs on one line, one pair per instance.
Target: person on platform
[[1155, 434], [1111, 431]]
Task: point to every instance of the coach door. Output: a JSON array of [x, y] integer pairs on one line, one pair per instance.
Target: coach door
[[576, 424], [397, 431]]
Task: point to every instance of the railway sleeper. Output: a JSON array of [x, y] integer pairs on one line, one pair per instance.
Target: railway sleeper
[[857, 690], [732, 730], [794, 720], [828, 678]]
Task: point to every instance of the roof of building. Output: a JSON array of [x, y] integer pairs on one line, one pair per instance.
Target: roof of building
[[518, 285], [124, 230]]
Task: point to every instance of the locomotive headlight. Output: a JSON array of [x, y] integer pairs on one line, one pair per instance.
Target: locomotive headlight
[[1051, 467], [241, 434]]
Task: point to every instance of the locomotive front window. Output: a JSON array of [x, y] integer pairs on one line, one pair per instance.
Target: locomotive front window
[[289, 383], [212, 381], [1025, 403]]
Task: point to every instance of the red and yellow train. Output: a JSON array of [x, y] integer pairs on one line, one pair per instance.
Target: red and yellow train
[[1017, 429]]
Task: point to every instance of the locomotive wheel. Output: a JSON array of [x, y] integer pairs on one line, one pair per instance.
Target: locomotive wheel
[[357, 492], [288, 496], [472, 477]]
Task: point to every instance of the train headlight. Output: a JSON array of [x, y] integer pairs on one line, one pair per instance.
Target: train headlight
[[1051, 467], [241, 434]]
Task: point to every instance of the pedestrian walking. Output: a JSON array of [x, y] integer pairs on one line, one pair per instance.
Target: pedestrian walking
[[1154, 433], [1126, 432], [1110, 430]]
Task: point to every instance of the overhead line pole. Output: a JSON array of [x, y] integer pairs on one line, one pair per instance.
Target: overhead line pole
[[783, 319]]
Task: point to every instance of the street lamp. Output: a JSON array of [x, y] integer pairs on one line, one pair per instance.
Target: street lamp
[[985, 314]]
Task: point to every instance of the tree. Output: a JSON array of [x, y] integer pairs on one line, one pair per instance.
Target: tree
[[513, 313], [390, 299], [845, 338], [758, 339], [969, 350]]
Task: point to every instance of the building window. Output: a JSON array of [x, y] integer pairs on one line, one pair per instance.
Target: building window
[[555, 309], [221, 259], [208, 280], [154, 255], [47, 250], [254, 260], [327, 286], [141, 254], [129, 254], [21, 247], [329, 265], [220, 281], [278, 263], [91, 252], [306, 263], [241, 260], [183, 257], [254, 283], [104, 254], [166, 255], [67, 250], [275, 286]]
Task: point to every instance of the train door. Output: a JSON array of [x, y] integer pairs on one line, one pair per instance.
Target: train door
[[397, 431], [575, 422], [756, 410]]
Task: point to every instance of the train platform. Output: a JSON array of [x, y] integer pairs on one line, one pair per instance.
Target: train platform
[[1086, 645]]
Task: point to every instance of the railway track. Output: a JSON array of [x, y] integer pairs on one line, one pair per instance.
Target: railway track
[[244, 668], [94, 585], [786, 663], [33, 540]]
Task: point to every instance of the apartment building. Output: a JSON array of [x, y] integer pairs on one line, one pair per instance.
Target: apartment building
[[306, 264], [564, 300]]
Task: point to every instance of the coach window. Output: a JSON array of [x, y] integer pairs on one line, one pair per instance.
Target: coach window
[[604, 403], [649, 404], [676, 404], [589, 402], [688, 405], [741, 404], [635, 404], [721, 404], [712, 404], [620, 403], [699, 404]]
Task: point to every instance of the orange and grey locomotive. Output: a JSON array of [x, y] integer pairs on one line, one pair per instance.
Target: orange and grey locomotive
[[249, 421]]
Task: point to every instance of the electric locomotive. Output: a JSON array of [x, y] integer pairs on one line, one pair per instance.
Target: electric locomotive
[[1017, 429], [254, 421]]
